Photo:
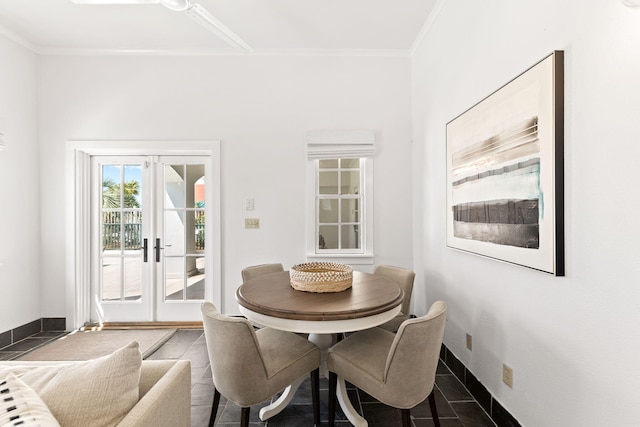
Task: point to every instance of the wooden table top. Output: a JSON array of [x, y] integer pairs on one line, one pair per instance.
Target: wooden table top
[[272, 295]]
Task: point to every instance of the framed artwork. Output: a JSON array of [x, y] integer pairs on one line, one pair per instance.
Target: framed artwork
[[505, 172]]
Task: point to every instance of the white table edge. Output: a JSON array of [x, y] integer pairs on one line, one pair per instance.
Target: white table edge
[[320, 326]]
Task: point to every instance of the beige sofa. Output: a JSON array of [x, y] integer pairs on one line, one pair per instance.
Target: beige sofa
[[165, 395], [163, 391]]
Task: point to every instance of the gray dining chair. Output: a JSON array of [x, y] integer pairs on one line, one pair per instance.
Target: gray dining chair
[[251, 366], [397, 369], [404, 278], [254, 271]]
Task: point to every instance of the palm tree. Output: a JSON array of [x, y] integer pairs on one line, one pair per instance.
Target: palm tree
[[111, 197], [111, 194]]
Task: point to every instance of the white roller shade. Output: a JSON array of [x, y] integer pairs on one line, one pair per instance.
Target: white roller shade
[[339, 144]]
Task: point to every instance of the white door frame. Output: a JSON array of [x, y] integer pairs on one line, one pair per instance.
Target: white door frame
[[78, 218]]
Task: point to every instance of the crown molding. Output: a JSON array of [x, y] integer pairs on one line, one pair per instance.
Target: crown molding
[[426, 27], [7, 33], [400, 53]]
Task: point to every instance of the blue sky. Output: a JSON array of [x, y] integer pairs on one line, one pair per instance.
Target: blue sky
[[132, 172]]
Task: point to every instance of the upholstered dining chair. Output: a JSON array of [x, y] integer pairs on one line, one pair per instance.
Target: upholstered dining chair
[[404, 278], [397, 369], [254, 271], [251, 366]]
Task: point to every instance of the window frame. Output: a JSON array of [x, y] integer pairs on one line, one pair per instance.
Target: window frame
[[365, 254]]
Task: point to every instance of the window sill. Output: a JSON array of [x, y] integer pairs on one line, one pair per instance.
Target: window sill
[[351, 259]]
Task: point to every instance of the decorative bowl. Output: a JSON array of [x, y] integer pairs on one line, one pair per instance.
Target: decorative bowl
[[321, 277]]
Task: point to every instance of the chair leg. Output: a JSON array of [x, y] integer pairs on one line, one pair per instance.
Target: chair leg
[[406, 417], [244, 417], [214, 407], [315, 395], [434, 410], [333, 382]]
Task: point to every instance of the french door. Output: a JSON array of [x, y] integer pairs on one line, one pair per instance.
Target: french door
[[148, 238]]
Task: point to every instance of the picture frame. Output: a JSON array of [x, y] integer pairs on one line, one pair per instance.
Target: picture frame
[[505, 171]]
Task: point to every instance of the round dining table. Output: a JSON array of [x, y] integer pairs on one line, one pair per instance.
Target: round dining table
[[270, 300]]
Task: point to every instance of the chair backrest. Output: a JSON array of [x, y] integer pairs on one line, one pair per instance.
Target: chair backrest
[[258, 270], [234, 353], [403, 277], [412, 361]]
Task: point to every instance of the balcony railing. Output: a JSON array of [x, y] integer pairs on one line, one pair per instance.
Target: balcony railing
[[114, 234]]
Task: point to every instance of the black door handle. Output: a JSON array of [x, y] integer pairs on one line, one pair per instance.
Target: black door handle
[[158, 250], [145, 250]]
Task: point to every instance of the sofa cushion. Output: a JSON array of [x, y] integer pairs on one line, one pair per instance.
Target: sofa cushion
[[20, 405], [97, 393]]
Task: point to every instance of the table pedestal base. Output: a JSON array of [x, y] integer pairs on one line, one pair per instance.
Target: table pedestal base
[[347, 407], [287, 395], [323, 341]]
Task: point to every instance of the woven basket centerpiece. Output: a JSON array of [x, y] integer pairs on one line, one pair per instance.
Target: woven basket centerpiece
[[321, 277]]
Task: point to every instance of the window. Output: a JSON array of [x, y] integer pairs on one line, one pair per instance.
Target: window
[[340, 197], [339, 205]]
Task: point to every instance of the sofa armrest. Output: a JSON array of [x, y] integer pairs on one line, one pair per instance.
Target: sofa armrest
[[167, 403]]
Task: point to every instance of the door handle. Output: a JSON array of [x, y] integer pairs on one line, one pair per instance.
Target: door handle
[[145, 250], [158, 250]]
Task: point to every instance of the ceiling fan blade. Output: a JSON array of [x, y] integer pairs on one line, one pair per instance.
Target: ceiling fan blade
[[195, 11], [203, 17], [115, 1], [177, 5]]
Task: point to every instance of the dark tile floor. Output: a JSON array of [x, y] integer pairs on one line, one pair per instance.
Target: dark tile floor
[[456, 406], [32, 342]]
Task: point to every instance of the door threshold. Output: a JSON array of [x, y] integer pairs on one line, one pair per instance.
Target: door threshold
[[142, 325]]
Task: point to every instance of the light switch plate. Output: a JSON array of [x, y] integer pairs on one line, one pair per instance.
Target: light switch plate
[[252, 223]]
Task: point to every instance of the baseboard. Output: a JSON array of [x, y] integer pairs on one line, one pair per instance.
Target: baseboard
[[145, 325], [496, 411], [44, 324]]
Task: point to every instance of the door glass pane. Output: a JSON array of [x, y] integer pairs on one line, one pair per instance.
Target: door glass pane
[[175, 189], [111, 278], [132, 186], [174, 278], [132, 230], [199, 205], [132, 278], [184, 232], [199, 231], [195, 278], [174, 232], [199, 193], [111, 231], [121, 229], [111, 179]]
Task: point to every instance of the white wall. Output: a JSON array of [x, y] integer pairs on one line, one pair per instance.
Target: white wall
[[260, 108], [19, 191], [573, 341]]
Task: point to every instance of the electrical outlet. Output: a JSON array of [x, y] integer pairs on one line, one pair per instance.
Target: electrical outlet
[[251, 223], [250, 204], [507, 375], [469, 342]]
